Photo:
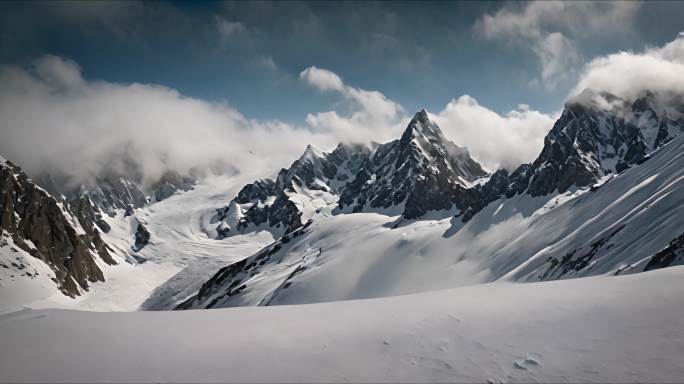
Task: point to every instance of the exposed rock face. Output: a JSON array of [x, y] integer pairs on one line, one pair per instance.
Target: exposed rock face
[[91, 220], [165, 191], [671, 255], [591, 139], [142, 237], [41, 226], [597, 134], [421, 172], [111, 193], [284, 204]]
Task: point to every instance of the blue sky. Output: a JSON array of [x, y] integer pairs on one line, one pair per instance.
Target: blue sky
[[249, 54]]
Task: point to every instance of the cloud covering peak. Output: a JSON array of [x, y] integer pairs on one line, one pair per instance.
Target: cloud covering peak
[[627, 74], [51, 118]]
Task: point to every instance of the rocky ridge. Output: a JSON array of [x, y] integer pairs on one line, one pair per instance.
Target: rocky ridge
[[42, 226]]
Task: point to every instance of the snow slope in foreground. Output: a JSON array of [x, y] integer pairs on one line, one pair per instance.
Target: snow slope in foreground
[[625, 328]]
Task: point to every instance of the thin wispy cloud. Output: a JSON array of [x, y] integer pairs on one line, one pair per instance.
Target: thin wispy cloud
[[550, 29]]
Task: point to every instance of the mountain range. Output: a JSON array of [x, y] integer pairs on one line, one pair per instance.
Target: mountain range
[[369, 220]]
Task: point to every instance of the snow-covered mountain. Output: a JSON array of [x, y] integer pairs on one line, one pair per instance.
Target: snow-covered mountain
[[411, 215], [312, 183], [598, 134], [542, 222], [35, 225], [421, 172], [416, 217]]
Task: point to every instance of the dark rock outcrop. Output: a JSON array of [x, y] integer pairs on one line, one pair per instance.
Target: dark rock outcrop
[[591, 140], [267, 203], [142, 237], [112, 192], [588, 141], [42, 226], [421, 172], [671, 255], [129, 210], [165, 191]]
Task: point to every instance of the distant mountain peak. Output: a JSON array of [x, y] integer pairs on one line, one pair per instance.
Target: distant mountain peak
[[311, 153], [423, 129]]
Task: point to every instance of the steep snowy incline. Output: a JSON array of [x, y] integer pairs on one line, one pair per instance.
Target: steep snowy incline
[[622, 223], [598, 329]]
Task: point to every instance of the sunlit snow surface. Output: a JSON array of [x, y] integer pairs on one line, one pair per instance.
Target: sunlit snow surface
[[602, 329], [473, 322]]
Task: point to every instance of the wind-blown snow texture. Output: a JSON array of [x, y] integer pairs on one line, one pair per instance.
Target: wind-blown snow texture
[[619, 329]]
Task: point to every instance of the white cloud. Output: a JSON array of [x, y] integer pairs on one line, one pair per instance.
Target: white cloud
[[58, 72], [51, 117], [322, 79], [373, 116], [549, 29], [557, 54], [492, 139], [626, 74], [495, 140]]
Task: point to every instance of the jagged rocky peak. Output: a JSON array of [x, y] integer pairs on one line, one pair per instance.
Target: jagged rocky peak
[[111, 192], [421, 128], [312, 170], [284, 204], [598, 134], [425, 136], [42, 226], [421, 172]]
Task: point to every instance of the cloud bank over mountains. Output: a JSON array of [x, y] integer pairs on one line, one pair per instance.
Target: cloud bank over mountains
[[50, 117], [53, 118], [626, 74]]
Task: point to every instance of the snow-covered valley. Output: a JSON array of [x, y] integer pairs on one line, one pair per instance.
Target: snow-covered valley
[[180, 257], [402, 261]]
